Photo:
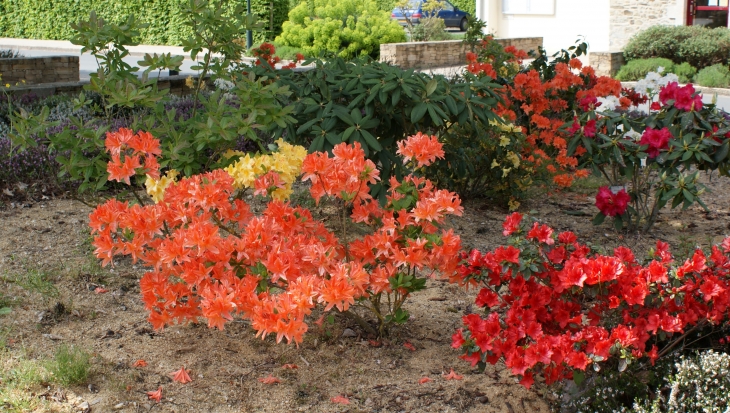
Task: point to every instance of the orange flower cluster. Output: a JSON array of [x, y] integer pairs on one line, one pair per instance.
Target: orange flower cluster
[[545, 104], [422, 149], [210, 257], [127, 150]]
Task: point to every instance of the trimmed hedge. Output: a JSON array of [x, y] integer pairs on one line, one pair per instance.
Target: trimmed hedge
[[51, 19], [714, 76], [696, 45]]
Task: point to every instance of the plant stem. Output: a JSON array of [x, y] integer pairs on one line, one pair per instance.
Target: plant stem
[[360, 321]]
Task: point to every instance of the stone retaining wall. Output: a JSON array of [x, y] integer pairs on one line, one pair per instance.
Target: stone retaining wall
[[34, 70], [606, 63], [419, 55], [176, 85]]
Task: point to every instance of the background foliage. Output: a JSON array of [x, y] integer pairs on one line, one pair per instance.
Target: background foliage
[[51, 19]]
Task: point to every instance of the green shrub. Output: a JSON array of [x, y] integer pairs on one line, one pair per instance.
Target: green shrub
[[430, 29], [686, 72], [469, 6], [378, 105], [347, 28], [708, 47], [696, 45], [714, 76], [638, 69], [51, 19]]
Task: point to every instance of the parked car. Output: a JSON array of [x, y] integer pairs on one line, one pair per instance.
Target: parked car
[[452, 16]]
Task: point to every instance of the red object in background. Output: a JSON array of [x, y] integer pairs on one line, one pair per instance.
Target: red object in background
[[697, 8]]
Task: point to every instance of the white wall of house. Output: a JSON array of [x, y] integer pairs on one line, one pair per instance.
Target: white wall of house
[[605, 24]]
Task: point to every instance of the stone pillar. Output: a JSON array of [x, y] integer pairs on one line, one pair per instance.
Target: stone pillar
[[606, 63]]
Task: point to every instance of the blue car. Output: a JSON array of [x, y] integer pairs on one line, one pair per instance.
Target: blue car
[[452, 16]]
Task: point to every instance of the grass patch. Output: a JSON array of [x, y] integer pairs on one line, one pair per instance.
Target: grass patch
[[71, 365], [31, 279], [19, 378], [37, 281]]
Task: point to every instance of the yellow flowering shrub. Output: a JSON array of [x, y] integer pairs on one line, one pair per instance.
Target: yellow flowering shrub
[[286, 162]]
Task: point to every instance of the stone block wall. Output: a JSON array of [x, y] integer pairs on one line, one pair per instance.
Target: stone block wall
[[628, 17], [35, 70], [606, 63], [420, 55]]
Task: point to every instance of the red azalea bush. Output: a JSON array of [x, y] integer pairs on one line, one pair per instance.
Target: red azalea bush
[[553, 306], [209, 257]]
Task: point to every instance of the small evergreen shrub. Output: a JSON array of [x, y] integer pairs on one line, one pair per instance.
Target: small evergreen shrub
[[696, 45], [638, 69], [686, 72], [714, 76], [700, 385]]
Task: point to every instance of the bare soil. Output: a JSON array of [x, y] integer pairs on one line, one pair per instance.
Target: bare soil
[[51, 235]]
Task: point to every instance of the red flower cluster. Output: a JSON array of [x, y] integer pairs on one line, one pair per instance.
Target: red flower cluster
[[612, 204], [684, 97], [656, 139], [635, 97], [552, 306], [267, 53]]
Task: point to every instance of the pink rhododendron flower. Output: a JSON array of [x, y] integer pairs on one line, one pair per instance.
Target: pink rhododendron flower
[[684, 97], [611, 204], [657, 139]]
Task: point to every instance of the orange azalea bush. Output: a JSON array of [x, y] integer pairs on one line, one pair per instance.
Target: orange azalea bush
[[543, 101], [210, 258]]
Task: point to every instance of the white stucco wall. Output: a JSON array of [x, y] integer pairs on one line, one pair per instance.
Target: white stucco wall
[[606, 24], [572, 18]]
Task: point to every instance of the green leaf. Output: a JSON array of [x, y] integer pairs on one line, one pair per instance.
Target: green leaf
[[431, 86], [418, 112], [579, 377], [371, 141], [721, 153], [618, 222], [599, 218]]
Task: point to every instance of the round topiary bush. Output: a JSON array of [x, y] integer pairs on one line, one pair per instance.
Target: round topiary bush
[[347, 28], [714, 76], [638, 69]]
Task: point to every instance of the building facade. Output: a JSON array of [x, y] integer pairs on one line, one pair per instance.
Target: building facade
[[607, 25]]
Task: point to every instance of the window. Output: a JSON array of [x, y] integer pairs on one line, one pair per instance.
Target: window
[[528, 6]]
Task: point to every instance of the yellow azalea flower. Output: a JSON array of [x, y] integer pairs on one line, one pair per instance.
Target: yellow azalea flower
[[514, 158], [231, 153], [503, 141], [287, 162], [505, 171], [156, 188], [513, 204], [495, 163]]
